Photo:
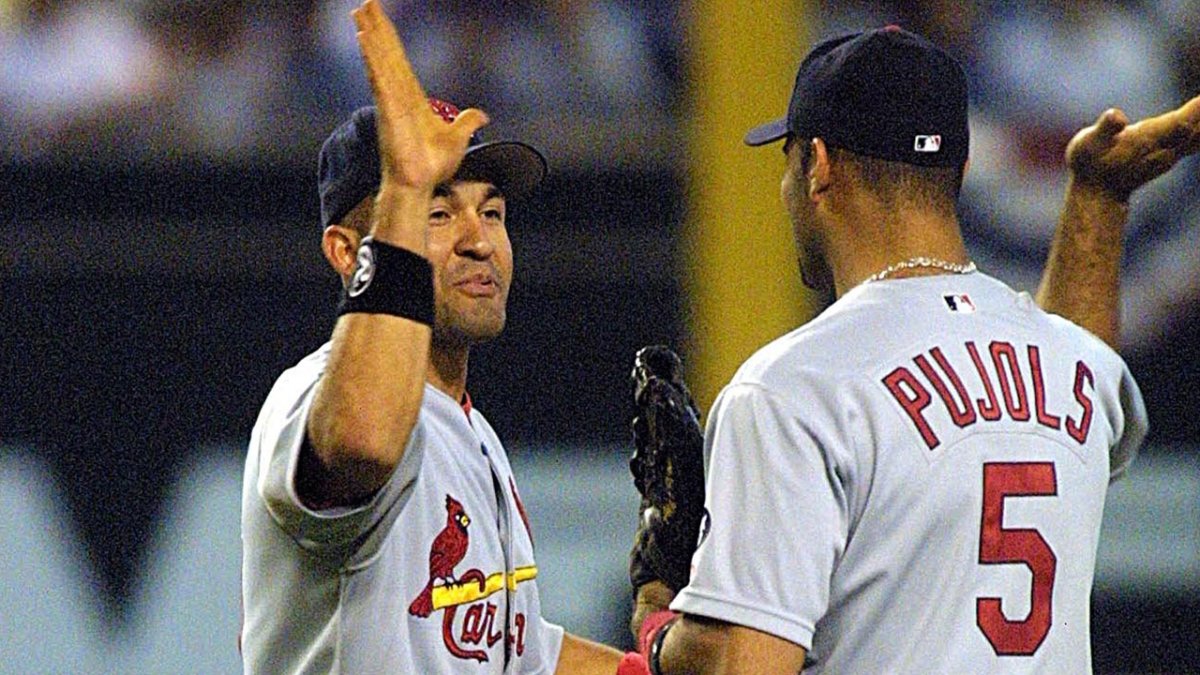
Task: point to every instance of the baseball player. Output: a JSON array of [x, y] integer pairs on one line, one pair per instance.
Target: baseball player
[[914, 480], [383, 529]]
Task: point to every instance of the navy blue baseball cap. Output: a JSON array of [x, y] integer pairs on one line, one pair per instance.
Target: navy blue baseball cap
[[348, 166], [885, 93]]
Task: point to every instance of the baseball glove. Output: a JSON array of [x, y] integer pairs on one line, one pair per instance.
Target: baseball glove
[[668, 470]]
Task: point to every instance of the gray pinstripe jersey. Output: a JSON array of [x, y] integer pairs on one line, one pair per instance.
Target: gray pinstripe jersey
[[914, 482], [350, 590]]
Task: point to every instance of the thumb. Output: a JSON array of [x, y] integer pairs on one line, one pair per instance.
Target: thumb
[[1111, 122], [469, 121]]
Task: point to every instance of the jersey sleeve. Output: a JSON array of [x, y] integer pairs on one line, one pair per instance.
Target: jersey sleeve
[[546, 662], [778, 517], [1135, 425], [279, 437]]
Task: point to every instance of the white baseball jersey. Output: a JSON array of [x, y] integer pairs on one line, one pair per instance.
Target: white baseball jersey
[[434, 574], [913, 482]]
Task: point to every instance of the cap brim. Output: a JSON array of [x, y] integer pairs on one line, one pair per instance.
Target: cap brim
[[514, 167], [767, 133]]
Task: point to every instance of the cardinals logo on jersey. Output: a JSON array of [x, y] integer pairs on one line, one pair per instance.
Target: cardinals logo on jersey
[[445, 591], [449, 548]]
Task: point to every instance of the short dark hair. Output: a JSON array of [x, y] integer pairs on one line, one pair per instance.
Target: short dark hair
[[936, 187], [892, 182], [358, 218]]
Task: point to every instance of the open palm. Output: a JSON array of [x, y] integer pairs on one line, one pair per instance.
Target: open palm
[[1120, 157], [416, 146]]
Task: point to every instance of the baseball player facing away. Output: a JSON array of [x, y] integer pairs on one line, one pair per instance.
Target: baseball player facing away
[[914, 480]]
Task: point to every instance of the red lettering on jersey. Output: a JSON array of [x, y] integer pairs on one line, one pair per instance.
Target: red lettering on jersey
[[472, 625], [493, 635], [1011, 381], [999, 545], [448, 634], [963, 416], [479, 625], [517, 637], [989, 409], [912, 403], [1039, 391], [1080, 431], [1006, 381]]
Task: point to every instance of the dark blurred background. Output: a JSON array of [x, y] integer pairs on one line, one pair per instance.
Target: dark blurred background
[[159, 267]]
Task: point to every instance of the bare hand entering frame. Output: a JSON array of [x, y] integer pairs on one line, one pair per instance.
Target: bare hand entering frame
[[416, 146], [1118, 157]]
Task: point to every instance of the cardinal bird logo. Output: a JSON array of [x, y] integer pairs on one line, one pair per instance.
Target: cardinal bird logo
[[446, 592], [448, 550]]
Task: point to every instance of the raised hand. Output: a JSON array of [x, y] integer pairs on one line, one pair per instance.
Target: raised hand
[[417, 147], [1118, 157]]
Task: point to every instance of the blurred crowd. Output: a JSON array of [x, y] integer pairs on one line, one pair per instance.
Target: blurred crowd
[[601, 84], [154, 80]]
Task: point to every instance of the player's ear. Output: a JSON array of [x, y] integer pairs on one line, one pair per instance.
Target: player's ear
[[819, 170], [340, 246], [340, 241]]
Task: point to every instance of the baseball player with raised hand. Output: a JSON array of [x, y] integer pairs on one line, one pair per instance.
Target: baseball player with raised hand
[[914, 480], [382, 527]]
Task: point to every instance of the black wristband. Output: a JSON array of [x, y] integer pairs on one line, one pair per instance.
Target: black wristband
[[656, 647], [390, 280]]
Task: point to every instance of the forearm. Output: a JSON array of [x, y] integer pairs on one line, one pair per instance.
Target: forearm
[[650, 598], [580, 656], [367, 402], [1081, 279], [683, 648], [694, 644], [697, 645]]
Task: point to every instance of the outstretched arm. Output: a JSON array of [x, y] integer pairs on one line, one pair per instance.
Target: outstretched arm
[[580, 656], [1107, 162], [367, 402]]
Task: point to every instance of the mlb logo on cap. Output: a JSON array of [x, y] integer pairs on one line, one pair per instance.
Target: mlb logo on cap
[[927, 143], [849, 91]]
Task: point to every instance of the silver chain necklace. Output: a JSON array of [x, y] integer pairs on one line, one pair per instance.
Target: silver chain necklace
[[920, 261]]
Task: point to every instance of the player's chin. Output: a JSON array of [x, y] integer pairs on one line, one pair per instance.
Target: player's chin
[[488, 328], [476, 322]]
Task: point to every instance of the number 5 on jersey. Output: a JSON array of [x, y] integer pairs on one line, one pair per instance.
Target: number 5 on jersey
[[999, 545]]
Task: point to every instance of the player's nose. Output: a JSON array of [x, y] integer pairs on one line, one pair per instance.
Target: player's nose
[[473, 240]]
